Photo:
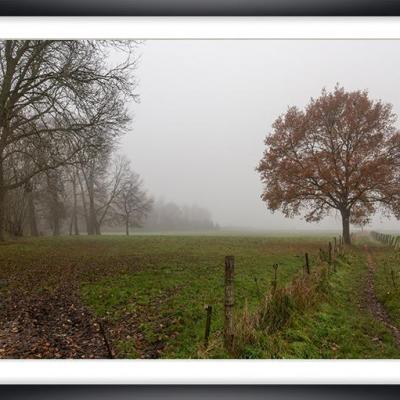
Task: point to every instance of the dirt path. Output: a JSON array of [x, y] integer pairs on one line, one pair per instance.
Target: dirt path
[[372, 303]]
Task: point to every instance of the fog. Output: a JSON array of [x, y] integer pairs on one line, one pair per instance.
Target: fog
[[207, 105]]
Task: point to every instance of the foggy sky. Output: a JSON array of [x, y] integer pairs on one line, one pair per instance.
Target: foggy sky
[[207, 105]]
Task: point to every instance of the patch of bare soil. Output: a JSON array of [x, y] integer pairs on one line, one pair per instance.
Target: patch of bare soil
[[53, 323], [373, 304], [42, 315], [49, 325]]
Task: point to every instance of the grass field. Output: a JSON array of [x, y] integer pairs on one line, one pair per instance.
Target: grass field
[[144, 296]]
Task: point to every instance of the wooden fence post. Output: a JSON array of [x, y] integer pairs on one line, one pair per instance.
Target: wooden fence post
[[208, 325], [229, 302], [307, 263], [330, 253], [275, 281]]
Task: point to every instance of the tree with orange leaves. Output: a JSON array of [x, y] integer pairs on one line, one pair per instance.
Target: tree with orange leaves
[[340, 153]]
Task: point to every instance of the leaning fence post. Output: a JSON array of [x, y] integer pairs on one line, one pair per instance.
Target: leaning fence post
[[307, 263], [229, 302], [208, 325]]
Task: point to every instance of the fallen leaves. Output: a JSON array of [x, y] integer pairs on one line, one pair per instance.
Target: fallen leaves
[[48, 325]]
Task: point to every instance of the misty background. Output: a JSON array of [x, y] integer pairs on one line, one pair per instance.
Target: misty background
[[207, 105]]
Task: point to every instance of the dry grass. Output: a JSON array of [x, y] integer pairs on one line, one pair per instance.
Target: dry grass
[[277, 308]]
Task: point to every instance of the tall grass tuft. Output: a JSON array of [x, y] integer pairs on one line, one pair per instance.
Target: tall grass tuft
[[278, 307]]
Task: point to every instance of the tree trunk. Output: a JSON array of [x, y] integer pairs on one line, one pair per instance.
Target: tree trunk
[[92, 216], [97, 227], [127, 226], [85, 212], [75, 211], [54, 203], [346, 226], [31, 210], [2, 214], [2, 199], [93, 226], [56, 227]]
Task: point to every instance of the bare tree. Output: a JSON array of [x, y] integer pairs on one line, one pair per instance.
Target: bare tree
[[57, 98], [103, 176], [132, 204]]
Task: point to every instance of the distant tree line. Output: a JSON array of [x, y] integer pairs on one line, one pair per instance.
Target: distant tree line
[[170, 216]]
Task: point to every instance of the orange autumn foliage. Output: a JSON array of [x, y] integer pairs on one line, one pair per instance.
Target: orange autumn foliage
[[340, 153]]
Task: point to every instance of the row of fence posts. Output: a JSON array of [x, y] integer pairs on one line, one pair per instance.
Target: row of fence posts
[[228, 307], [385, 238], [389, 240], [334, 250]]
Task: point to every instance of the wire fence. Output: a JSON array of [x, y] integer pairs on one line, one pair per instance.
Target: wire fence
[[296, 292], [387, 239]]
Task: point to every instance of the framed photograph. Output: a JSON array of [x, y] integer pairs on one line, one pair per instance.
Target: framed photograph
[[190, 200]]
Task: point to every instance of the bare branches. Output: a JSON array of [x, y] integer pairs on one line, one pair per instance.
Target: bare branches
[[132, 204], [57, 100]]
